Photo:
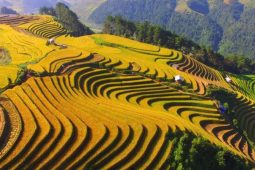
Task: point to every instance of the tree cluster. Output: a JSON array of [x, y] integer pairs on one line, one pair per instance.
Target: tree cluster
[[146, 32], [47, 11], [68, 19], [192, 152]]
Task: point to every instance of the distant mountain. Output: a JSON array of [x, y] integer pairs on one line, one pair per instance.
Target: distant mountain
[[226, 26], [6, 10], [82, 7], [29, 6]]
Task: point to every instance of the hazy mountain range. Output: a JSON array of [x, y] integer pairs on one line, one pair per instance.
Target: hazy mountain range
[[83, 7], [227, 26], [86, 7]]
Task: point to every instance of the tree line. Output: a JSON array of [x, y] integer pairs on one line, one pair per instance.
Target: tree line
[[67, 18], [195, 152], [156, 35]]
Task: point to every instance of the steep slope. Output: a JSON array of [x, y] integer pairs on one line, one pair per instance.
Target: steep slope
[[214, 23], [22, 48], [84, 8], [107, 102]]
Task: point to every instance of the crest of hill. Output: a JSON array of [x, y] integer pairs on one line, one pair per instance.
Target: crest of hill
[[210, 23]]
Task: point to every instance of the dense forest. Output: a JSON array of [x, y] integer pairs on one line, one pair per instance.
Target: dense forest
[[67, 18], [154, 34], [225, 28], [192, 152]]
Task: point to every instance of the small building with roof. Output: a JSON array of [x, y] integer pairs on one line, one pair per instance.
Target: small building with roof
[[228, 79], [178, 79], [51, 41]]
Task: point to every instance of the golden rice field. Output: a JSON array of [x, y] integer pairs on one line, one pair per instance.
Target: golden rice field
[[105, 101], [44, 26]]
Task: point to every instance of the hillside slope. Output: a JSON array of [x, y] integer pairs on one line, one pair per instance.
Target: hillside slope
[[216, 24], [106, 102], [212, 23]]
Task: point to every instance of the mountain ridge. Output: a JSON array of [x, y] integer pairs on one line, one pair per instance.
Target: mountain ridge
[[82, 7], [214, 24]]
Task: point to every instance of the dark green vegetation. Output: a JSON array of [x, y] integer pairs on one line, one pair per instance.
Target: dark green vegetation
[[68, 19], [5, 10], [192, 152], [148, 33], [226, 28], [47, 11]]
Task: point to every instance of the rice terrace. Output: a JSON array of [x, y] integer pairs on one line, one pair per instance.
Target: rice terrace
[[103, 101]]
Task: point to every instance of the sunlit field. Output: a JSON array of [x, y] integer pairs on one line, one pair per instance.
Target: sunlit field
[[107, 102]]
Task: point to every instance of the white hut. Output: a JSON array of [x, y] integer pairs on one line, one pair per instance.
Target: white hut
[[51, 41], [178, 79], [228, 79]]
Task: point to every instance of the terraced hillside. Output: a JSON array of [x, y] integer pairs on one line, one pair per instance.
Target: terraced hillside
[[45, 27], [16, 38], [107, 102]]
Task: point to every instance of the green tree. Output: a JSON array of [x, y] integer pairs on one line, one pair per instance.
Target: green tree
[[141, 32], [157, 35], [108, 25], [47, 11], [71, 21], [192, 152]]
